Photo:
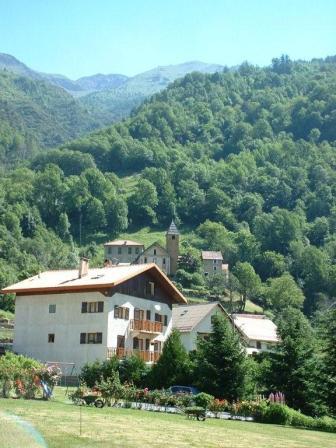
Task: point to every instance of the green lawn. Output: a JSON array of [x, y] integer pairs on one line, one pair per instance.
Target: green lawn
[[59, 423]]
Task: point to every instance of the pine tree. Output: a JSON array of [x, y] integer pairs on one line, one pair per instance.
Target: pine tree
[[173, 366], [329, 350], [295, 368], [221, 361]]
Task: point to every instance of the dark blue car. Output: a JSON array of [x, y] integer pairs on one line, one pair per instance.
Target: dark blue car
[[183, 390]]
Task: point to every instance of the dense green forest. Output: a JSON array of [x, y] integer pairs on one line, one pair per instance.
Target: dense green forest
[[35, 114], [245, 160]]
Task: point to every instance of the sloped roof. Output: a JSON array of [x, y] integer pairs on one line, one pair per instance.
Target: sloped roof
[[145, 251], [186, 317], [256, 327], [173, 229], [122, 243], [96, 279], [211, 255]]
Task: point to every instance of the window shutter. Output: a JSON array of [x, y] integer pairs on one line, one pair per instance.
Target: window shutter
[[99, 338], [127, 313], [148, 315], [100, 307], [165, 320], [83, 338], [84, 307]]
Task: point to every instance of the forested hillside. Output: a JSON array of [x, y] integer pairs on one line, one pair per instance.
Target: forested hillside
[[35, 114], [246, 160], [114, 104]]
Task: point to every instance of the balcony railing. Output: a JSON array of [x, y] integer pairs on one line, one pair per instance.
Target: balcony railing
[[146, 326], [145, 355]]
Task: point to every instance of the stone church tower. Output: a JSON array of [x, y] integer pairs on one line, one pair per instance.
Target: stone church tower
[[173, 246]]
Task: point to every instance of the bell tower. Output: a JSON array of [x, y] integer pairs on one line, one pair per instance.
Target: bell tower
[[173, 246]]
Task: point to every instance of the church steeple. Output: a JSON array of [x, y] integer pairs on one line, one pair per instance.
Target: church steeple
[[173, 246]]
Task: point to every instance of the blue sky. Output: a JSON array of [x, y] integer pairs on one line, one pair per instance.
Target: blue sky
[[83, 37]]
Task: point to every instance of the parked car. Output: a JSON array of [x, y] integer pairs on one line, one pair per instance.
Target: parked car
[[183, 390]]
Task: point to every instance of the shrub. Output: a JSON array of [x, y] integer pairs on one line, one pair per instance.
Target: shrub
[[203, 400]]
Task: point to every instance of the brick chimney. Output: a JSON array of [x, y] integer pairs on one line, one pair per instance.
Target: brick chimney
[[83, 267]]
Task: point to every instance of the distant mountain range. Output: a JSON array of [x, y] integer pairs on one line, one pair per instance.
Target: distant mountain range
[[52, 108]]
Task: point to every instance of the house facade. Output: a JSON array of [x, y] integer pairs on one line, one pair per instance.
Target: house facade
[[76, 316], [122, 251], [212, 262], [194, 321], [166, 258], [258, 333], [157, 254]]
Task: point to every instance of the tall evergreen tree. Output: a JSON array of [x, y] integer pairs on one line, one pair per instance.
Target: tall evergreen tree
[[220, 360], [173, 366], [295, 368], [329, 350]]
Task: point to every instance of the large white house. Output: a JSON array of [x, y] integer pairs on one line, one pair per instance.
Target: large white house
[[76, 316], [258, 333]]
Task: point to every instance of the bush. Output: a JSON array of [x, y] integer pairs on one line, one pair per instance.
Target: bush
[[23, 376], [283, 415], [203, 400]]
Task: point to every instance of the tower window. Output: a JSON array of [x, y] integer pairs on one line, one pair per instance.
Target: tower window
[[173, 237]]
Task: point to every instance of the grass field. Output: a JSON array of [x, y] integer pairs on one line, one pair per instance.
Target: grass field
[[58, 421]]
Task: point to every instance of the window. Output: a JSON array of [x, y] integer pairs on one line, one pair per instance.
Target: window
[[173, 237], [154, 252], [120, 341], [91, 338], [121, 312], [92, 307], [147, 344], [165, 320], [119, 250], [259, 344], [136, 250], [157, 347], [52, 308], [51, 338], [145, 260], [129, 251], [163, 261], [148, 315], [214, 261], [139, 314], [151, 288], [158, 317], [206, 274], [215, 268], [138, 344]]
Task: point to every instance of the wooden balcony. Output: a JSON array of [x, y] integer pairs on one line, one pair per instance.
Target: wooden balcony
[[145, 355], [146, 326]]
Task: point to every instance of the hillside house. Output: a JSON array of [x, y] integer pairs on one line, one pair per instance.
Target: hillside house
[[122, 251], [164, 257], [212, 262], [257, 332], [195, 321], [78, 316]]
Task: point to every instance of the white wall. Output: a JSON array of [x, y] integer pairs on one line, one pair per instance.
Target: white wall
[[121, 327], [33, 323], [189, 339]]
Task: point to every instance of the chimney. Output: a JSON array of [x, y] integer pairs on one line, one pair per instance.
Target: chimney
[[107, 263], [83, 267]]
